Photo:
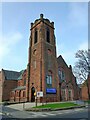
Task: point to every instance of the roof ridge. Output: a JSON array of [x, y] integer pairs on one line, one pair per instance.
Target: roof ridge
[[10, 70]]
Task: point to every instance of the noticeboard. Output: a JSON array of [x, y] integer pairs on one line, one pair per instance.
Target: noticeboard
[[40, 94]]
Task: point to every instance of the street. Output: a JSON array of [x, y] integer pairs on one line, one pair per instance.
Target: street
[[81, 113]]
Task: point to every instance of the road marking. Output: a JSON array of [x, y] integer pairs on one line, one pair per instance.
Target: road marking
[[1, 113], [78, 110], [66, 112], [43, 115], [50, 114]]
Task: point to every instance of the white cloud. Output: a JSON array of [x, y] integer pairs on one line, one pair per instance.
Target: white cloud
[[83, 46], [7, 43], [77, 20]]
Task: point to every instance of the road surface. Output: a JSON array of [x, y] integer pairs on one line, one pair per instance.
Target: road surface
[[80, 113]]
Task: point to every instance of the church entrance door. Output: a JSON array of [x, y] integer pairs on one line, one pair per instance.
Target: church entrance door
[[32, 94]]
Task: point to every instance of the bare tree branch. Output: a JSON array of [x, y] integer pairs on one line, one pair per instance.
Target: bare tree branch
[[82, 66]]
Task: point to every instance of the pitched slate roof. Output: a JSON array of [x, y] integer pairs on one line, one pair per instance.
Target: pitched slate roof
[[60, 59], [20, 88], [21, 73], [12, 75]]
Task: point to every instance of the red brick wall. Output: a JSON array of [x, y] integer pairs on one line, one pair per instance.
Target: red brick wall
[[19, 95], [8, 85], [42, 58], [70, 80], [84, 92]]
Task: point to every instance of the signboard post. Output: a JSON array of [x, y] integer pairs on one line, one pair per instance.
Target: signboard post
[[40, 94], [35, 94]]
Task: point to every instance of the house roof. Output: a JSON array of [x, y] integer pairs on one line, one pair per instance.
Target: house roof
[[13, 75], [19, 88]]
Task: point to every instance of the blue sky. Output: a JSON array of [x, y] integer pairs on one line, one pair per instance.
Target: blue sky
[[71, 30]]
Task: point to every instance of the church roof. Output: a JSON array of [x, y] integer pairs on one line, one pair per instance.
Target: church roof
[[13, 75], [19, 88], [21, 73], [60, 59]]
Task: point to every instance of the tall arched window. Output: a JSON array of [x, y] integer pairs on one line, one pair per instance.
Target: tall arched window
[[61, 75], [48, 35], [35, 36], [49, 78]]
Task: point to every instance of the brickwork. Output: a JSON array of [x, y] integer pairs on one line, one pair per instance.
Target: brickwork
[[44, 54], [84, 93], [68, 85], [42, 73], [84, 89], [19, 94]]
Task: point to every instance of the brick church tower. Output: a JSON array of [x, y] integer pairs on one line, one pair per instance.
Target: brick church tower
[[42, 63]]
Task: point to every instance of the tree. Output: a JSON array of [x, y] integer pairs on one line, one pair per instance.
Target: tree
[[82, 66]]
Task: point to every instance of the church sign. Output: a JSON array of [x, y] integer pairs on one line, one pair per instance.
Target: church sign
[[51, 91], [40, 94]]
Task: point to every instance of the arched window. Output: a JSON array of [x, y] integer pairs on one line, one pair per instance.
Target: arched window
[[35, 36], [49, 52], [49, 78], [48, 35], [61, 75]]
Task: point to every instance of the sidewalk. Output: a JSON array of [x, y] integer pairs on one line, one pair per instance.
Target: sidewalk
[[28, 105], [22, 106]]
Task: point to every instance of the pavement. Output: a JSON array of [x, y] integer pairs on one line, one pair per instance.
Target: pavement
[[17, 111], [75, 113], [22, 106]]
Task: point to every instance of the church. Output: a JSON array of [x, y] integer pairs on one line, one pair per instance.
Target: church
[[45, 73]]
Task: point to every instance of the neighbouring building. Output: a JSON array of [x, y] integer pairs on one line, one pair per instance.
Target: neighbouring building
[[45, 72], [9, 84], [85, 89]]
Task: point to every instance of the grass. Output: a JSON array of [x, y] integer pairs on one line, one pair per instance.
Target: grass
[[57, 105], [88, 101]]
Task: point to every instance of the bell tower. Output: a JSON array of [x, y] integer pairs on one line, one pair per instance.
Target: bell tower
[[42, 62]]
